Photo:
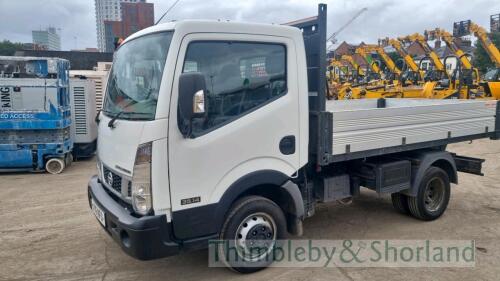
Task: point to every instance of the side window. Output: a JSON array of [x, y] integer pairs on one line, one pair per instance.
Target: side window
[[239, 77]]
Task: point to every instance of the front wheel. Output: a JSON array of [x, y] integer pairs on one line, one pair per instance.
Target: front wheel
[[433, 195], [250, 233]]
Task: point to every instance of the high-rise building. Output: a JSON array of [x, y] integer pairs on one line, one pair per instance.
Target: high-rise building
[[48, 39], [120, 18], [495, 23]]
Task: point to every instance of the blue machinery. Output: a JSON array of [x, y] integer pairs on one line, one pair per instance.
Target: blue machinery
[[35, 114]]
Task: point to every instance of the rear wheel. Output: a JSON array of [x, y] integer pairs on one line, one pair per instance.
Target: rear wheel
[[250, 233], [433, 195], [400, 203], [55, 165]]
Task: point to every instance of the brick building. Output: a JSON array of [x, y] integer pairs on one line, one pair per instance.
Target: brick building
[[136, 16], [350, 49], [121, 18]]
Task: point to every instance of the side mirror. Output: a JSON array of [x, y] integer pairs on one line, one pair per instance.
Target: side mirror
[[192, 91], [192, 100]]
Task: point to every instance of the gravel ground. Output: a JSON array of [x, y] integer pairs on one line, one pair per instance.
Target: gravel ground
[[48, 233]]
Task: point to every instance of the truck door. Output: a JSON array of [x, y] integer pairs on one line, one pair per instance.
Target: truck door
[[252, 107]]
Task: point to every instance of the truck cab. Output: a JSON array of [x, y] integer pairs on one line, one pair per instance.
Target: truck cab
[[196, 114]]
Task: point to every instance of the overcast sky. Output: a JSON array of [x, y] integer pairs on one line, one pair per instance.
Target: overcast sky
[[76, 18]]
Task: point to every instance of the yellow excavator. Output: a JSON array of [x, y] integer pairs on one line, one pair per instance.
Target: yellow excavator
[[412, 78], [438, 82], [358, 72], [413, 74], [394, 72], [467, 74], [439, 72], [401, 85], [375, 71], [491, 83], [337, 71], [338, 74], [374, 84]]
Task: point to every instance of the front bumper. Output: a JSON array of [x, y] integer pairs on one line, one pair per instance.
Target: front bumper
[[143, 238]]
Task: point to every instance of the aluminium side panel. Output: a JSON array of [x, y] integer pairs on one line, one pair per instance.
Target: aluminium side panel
[[365, 127]]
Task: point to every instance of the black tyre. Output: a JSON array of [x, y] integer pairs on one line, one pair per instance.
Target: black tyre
[[400, 203], [252, 227], [433, 195]]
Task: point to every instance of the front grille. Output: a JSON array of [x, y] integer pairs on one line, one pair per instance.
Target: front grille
[[112, 180], [116, 182]]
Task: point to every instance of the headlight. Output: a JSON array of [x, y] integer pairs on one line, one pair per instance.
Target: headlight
[[99, 172], [141, 180]]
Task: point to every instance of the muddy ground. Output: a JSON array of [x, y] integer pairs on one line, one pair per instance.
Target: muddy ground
[[48, 233]]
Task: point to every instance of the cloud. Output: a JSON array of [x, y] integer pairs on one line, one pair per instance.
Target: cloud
[[75, 20], [392, 18]]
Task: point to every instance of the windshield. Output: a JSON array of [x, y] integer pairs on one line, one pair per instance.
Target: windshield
[[491, 75], [134, 80]]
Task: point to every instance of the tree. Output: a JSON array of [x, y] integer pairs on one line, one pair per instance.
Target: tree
[[8, 48], [397, 59], [481, 59]]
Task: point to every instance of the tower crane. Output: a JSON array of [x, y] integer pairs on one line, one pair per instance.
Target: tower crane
[[333, 37]]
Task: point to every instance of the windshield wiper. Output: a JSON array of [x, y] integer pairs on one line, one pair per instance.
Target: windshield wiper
[[111, 122]]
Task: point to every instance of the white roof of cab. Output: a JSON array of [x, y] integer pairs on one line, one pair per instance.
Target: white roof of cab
[[18, 58], [191, 26]]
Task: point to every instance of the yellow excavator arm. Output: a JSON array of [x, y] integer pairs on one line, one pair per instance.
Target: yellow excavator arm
[[385, 57], [420, 39], [353, 63], [337, 71], [490, 48], [339, 65], [375, 68], [448, 39], [407, 58]]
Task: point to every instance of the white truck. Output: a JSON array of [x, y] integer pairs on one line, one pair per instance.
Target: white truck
[[221, 130]]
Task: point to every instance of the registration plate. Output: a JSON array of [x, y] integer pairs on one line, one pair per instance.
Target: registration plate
[[98, 213]]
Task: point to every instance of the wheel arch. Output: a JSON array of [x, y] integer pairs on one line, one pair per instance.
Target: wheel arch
[[426, 159], [274, 185], [448, 167], [269, 184]]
